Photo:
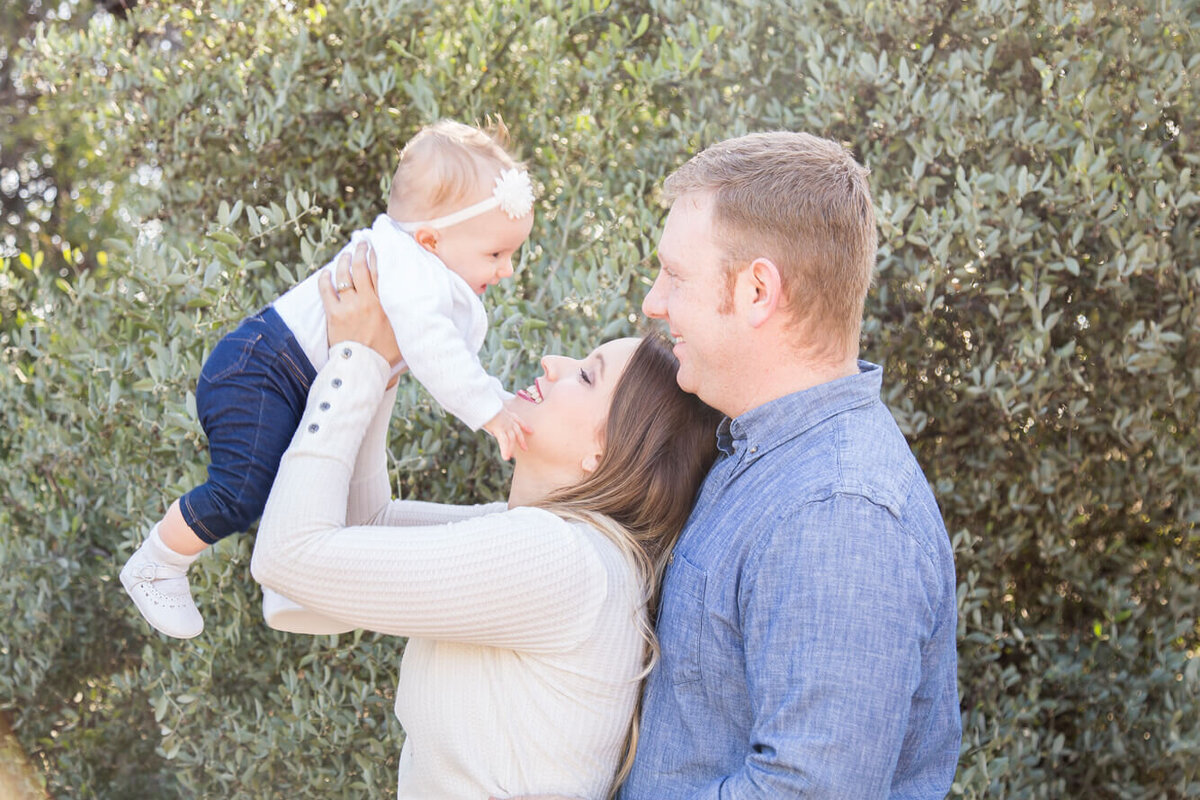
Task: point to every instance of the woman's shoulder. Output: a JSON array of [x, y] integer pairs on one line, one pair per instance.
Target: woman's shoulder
[[602, 552], [617, 564]]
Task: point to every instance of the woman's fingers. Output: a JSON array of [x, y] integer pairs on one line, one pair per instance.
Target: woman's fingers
[[352, 307], [371, 264], [344, 271], [331, 302], [365, 270], [325, 287]]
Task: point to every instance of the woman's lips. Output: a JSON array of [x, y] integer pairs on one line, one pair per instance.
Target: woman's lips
[[533, 394]]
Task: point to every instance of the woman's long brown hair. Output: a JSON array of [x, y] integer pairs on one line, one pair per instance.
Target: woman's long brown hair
[[659, 442]]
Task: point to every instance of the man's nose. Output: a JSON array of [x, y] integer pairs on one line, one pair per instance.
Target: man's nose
[[653, 304]]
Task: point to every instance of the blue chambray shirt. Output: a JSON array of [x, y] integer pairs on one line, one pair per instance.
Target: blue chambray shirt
[[808, 616]]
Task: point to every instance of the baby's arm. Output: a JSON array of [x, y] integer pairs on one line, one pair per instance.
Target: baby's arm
[[416, 296]]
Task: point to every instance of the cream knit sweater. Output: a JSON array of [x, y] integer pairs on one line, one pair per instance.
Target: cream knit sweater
[[519, 676]]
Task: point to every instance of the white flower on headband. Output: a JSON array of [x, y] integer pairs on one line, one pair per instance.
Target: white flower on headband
[[513, 194]]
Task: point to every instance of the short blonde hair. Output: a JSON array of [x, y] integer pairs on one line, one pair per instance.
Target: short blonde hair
[[804, 203], [443, 165]]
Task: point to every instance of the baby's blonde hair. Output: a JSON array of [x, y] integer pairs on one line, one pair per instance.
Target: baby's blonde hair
[[442, 167]]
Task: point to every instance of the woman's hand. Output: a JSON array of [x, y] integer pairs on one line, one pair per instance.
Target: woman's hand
[[352, 309]]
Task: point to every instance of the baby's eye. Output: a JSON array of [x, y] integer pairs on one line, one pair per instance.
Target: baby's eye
[[495, 256], [584, 376]]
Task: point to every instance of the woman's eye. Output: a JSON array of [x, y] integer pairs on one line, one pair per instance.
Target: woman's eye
[[584, 376]]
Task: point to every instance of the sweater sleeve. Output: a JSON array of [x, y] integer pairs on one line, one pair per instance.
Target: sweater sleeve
[[370, 490], [522, 578], [370, 501]]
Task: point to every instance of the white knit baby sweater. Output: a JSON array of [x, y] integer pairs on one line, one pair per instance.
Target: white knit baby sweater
[[439, 322], [520, 673]]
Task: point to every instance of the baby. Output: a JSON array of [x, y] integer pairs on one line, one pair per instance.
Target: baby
[[459, 209]]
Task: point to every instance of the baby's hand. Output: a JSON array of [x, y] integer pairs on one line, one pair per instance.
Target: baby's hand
[[508, 429]]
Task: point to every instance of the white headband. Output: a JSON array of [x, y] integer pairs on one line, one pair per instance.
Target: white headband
[[513, 195]]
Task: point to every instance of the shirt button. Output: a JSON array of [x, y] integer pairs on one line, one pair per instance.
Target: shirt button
[[336, 382], [347, 352], [324, 406], [754, 449], [314, 428]]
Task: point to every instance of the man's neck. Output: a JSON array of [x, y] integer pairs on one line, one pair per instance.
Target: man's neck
[[767, 382]]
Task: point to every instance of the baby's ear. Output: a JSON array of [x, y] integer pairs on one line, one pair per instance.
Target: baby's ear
[[427, 238]]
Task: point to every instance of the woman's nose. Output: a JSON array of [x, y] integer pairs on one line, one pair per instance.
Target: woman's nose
[[553, 366]]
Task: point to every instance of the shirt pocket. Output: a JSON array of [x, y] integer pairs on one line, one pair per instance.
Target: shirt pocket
[[681, 620]]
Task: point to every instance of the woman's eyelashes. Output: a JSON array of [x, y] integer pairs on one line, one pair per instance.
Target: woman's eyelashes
[[584, 376]]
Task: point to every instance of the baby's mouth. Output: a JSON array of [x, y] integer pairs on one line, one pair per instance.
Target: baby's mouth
[[533, 394]]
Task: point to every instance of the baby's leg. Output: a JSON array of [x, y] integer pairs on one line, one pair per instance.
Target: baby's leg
[[178, 535], [155, 576], [249, 399]]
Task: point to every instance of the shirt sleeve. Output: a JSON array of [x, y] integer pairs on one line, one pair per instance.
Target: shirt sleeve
[[833, 652], [522, 579], [415, 292]]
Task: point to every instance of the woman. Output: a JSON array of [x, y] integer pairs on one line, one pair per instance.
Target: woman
[[529, 622]]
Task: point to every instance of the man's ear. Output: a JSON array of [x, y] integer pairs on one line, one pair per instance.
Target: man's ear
[[427, 238], [761, 290]]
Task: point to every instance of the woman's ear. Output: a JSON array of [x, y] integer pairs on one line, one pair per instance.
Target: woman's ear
[[591, 461], [427, 238]]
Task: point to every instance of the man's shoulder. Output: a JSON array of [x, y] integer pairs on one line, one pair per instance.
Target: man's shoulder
[[858, 458], [860, 449]]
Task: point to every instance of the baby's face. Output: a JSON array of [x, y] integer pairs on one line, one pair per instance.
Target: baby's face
[[480, 250]]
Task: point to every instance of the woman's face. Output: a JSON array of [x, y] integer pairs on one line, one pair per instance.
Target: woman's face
[[567, 408]]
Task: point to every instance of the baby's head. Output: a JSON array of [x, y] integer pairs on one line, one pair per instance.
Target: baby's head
[[463, 198]]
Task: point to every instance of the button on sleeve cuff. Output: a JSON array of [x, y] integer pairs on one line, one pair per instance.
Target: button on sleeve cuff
[[341, 402]]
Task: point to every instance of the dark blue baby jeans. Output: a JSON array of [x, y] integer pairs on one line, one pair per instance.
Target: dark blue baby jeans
[[250, 397]]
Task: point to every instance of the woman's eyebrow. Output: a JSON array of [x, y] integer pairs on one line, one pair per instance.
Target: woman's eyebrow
[[600, 360]]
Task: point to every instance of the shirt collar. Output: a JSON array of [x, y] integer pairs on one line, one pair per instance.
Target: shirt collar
[[767, 426]]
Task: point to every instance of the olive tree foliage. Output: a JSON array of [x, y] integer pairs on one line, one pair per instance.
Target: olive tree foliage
[[1035, 310]]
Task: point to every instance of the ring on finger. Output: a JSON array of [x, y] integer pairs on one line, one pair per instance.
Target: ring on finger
[[344, 285]]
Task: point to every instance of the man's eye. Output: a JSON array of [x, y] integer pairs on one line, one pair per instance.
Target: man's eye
[[584, 376]]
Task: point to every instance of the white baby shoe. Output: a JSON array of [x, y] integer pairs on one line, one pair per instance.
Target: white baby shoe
[[283, 614], [156, 578]]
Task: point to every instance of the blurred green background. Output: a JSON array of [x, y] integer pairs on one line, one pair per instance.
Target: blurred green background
[[168, 168]]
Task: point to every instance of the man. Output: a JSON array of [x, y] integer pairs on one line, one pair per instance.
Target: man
[[808, 615]]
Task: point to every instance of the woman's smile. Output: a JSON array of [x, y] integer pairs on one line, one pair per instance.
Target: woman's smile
[[532, 393]]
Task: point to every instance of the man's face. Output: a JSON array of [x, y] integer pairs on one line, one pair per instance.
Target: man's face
[[688, 294]]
